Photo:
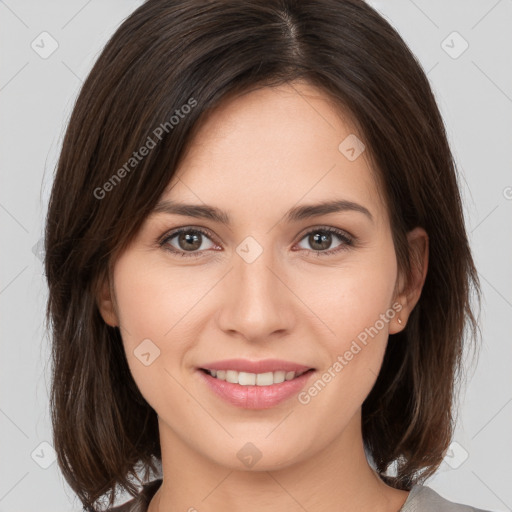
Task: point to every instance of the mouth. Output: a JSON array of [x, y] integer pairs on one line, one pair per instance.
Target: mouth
[[255, 379], [255, 384]]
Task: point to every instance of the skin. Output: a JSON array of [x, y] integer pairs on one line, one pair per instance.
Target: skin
[[257, 156]]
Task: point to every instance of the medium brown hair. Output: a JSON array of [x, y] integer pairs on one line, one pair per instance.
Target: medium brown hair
[[172, 53]]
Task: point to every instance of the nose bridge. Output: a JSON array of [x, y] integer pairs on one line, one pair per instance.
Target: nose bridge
[[256, 302]]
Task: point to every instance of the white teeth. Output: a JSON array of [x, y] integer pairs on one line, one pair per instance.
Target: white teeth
[[279, 377], [252, 379], [264, 379], [246, 379], [232, 376]]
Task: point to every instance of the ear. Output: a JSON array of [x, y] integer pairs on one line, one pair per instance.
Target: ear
[[410, 289], [106, 303]]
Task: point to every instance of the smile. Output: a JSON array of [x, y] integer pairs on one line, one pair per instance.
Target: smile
[[254, 379], [254, 384]]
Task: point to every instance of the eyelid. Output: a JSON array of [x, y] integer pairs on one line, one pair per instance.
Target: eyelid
[[347, 239], [175, 231], [162, 241], [330, 229]]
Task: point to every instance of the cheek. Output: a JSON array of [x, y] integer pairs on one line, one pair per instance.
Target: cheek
[[356, 307], [351, 297], [149, 309], [154, 302]]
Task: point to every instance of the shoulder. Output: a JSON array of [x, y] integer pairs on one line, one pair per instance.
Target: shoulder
[[424, 499], [141, 502]]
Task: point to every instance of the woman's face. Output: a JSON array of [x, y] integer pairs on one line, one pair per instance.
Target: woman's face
[[275, 281]]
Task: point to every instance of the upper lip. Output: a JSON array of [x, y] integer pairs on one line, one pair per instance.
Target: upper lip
[[262, 366]]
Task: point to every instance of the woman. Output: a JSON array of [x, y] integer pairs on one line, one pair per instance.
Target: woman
[[258, 270]]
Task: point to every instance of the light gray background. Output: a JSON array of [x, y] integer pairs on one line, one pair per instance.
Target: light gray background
[[474, 92]]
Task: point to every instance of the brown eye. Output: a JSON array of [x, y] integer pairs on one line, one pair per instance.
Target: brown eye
[[321, 239], [186, 242], [189, 241]]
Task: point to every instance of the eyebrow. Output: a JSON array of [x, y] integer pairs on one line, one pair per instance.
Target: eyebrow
[[295, 214]]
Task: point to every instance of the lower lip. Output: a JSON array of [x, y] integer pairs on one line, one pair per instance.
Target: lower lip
[[256, 397]]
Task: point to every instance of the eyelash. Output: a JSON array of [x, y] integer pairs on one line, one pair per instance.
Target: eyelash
[[348, 241]]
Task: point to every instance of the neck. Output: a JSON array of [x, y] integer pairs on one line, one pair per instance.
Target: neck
[[336, 478]]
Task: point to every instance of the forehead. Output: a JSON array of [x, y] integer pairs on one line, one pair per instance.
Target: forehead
[[272, 148]]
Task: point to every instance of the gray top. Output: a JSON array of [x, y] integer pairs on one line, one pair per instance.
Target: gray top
[[420, 499], [424, 499]]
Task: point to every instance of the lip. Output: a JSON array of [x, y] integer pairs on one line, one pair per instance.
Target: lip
[[263, 366], [255, 397]]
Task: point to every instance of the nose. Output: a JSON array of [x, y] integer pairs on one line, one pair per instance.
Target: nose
[[256, 303]]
